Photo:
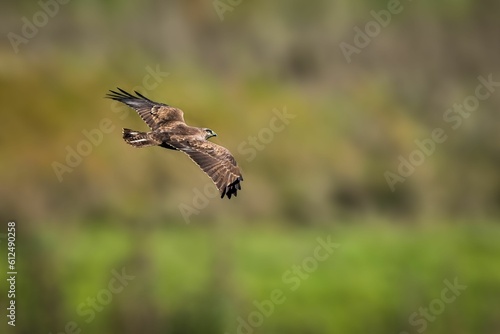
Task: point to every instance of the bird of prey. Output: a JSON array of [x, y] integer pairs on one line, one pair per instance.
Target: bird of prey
[[169, 130]]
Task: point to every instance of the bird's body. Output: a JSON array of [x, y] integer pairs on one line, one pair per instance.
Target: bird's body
[[169, 130]]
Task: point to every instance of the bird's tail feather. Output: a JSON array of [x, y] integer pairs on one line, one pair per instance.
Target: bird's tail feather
[[137, 138]]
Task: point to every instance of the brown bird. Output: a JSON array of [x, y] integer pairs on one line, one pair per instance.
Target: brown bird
[[169, 130]]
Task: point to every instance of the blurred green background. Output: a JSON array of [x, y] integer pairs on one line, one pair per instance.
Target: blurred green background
[[198, 264]]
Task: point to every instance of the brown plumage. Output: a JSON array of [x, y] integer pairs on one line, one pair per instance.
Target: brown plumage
[[169, 130]]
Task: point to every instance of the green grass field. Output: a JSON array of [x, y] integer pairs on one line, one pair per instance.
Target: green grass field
[[202, 279]]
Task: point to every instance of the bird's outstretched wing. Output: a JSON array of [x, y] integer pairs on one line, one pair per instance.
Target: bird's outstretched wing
[[153, 113], [216, 161]]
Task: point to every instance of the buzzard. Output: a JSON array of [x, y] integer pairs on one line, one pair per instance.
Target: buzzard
[[169, 130]]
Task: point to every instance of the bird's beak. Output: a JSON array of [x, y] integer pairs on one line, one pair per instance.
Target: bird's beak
[[214, 135]]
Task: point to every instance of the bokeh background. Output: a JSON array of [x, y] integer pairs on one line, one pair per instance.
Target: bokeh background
[[230, 66]]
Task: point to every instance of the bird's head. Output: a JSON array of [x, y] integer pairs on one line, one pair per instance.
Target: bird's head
[[209, 133]]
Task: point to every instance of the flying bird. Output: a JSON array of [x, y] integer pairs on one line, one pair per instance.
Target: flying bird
[[169, 130]]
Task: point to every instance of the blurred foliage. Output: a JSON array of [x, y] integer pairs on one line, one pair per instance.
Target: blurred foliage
[[352, 121], [325, 170]]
